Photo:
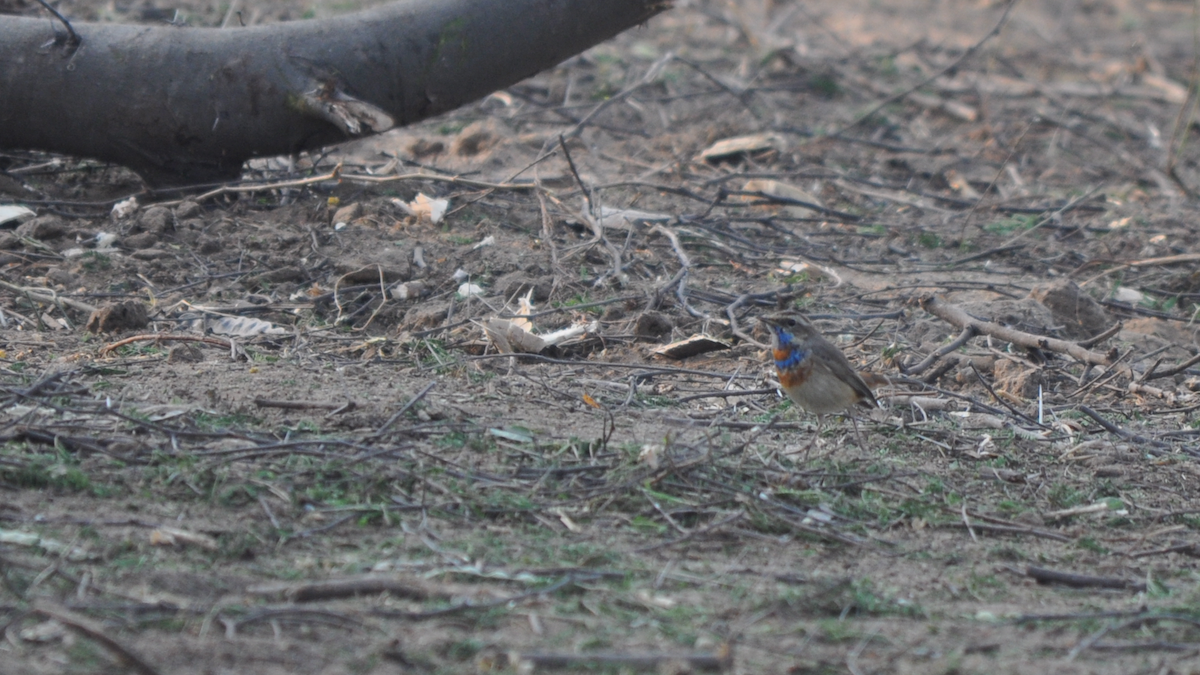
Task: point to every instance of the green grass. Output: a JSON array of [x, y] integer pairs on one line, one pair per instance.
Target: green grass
[[1012, 224]]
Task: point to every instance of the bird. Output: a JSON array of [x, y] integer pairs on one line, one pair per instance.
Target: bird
[[813, 372]]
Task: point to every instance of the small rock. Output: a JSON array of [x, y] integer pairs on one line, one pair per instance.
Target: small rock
[[348, 213], [141, 241], [43, 228], [61, 276], [187, 210], [156, 219], [127, 315], [9, 241]]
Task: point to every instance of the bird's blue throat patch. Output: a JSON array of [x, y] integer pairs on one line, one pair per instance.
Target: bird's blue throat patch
[[795, 356], [787, 347]]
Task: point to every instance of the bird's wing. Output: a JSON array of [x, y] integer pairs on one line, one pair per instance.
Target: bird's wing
[[832, 359]]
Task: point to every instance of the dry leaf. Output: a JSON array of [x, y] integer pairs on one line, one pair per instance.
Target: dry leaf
[[739, 145], [172, 536], [590, 401], [424, 208], [510, 338], [693, 346], [524, 309], [774, 188]]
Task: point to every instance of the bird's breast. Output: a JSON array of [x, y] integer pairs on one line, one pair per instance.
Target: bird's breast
[[788, 358]]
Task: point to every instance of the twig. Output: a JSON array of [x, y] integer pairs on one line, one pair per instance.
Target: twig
[[950, 68], [651, 73], [337, 174], [733, 322], [1009, 529], [161, 337], [680, 278], [967, 523], [1047, 576], [692, 534], [1097, 339], [304, 534], [499, 602], [47, 296], [413, 401], [371, 584], [1171, 372], [962, 339], [73, 39], [91, 629], [302, 405], [727, 393], [717, 661], [1122, 433]]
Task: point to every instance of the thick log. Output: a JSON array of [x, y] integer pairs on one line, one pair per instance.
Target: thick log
[[189, 105]]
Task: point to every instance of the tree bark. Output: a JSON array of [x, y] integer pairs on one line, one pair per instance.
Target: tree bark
[[189, 105]]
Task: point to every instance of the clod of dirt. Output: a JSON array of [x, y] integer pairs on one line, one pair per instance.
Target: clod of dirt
[[209, 244], [156, 219], [127, 315], [475, 138], [517, 284], [9, 241], [1017, 380], [1079, 314], [426, 315], [652, 325], [424, 148], [185, 353], [43, 228]]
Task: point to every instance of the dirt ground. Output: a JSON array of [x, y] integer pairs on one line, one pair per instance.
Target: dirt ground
[[264, 431]]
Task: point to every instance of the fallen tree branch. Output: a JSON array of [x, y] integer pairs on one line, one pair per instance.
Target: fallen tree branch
[[1047, 576], [183, 105], [957, 317]]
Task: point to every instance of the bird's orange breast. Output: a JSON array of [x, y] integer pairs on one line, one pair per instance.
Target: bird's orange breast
[[794, 376]]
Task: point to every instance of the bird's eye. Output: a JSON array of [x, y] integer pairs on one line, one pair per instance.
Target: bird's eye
[[791, 323]]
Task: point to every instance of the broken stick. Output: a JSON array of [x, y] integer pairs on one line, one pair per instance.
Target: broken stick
[[956, 316]]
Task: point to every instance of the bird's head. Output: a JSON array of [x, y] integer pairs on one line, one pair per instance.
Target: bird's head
[[787, 327]]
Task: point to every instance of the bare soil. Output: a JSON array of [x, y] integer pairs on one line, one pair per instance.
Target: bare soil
[[295, 467]]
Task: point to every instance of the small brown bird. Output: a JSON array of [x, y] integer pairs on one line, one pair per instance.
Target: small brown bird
[[812, 372]]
